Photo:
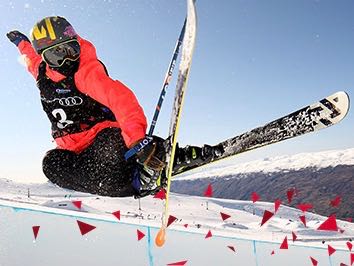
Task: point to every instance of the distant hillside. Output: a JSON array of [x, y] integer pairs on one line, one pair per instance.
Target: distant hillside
[[316, 185]]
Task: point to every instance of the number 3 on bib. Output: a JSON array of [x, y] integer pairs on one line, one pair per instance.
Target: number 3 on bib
[[63, 122]]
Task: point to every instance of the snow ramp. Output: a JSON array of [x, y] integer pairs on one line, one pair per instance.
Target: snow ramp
[[217, 232]]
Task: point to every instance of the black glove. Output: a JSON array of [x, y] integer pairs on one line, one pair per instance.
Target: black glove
[[16, 37], [154, 154]]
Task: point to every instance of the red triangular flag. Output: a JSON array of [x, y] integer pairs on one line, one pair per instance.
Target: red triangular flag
[[171, 219], [160, 195], [272, 253], [284, 245], [351, 258], [294, 236], [336, 201], [266, 216], [208, 235], [290, 194], [341, 231], [117, 214], [255, 197], [35, 230], [84, 227], [185, 225], [140, 234], [77, 203], [209, 191], [350, 246], [180, 263], [304, 207], [329, 225], [232, 248], [314, 262], [277, 205], [224, 216], [303, 219], [331, 250]]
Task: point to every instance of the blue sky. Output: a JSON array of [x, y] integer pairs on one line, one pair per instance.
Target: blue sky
[[254, 61]]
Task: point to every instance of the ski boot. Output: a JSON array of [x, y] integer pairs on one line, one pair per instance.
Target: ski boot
[[192, 156]]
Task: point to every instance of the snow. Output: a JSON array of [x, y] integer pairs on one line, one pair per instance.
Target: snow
[[193, 210], [278, 164], [24, 205], [197, 212]]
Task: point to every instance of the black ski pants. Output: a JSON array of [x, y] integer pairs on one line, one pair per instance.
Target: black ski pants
[[100, 169]]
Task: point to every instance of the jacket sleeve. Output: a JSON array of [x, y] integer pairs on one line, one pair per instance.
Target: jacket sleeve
[[92, 79], [31, 57]]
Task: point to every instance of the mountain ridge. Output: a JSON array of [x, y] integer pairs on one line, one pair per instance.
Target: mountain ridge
[[317, 178]]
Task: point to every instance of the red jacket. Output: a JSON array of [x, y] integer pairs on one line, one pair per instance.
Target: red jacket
[[92, 80]]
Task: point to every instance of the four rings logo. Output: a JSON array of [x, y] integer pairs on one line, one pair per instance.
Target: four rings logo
[[68, 101]]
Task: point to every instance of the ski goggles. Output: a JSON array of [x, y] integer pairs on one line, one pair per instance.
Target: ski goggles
[[55, 56]]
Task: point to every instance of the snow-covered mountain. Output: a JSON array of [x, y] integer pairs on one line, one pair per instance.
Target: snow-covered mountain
[[317, 177]]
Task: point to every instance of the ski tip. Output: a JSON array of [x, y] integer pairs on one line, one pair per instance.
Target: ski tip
[[341, 102], [342, 95]]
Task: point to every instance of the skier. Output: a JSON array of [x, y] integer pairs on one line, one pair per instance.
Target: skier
[[94, 118]]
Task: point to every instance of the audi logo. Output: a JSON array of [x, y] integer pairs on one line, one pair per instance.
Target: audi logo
[[68, 101]]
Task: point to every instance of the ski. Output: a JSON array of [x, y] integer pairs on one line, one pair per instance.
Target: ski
[[316, 116], [183, 73]]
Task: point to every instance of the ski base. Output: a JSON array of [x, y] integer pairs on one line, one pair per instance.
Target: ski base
[[319, 115]]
